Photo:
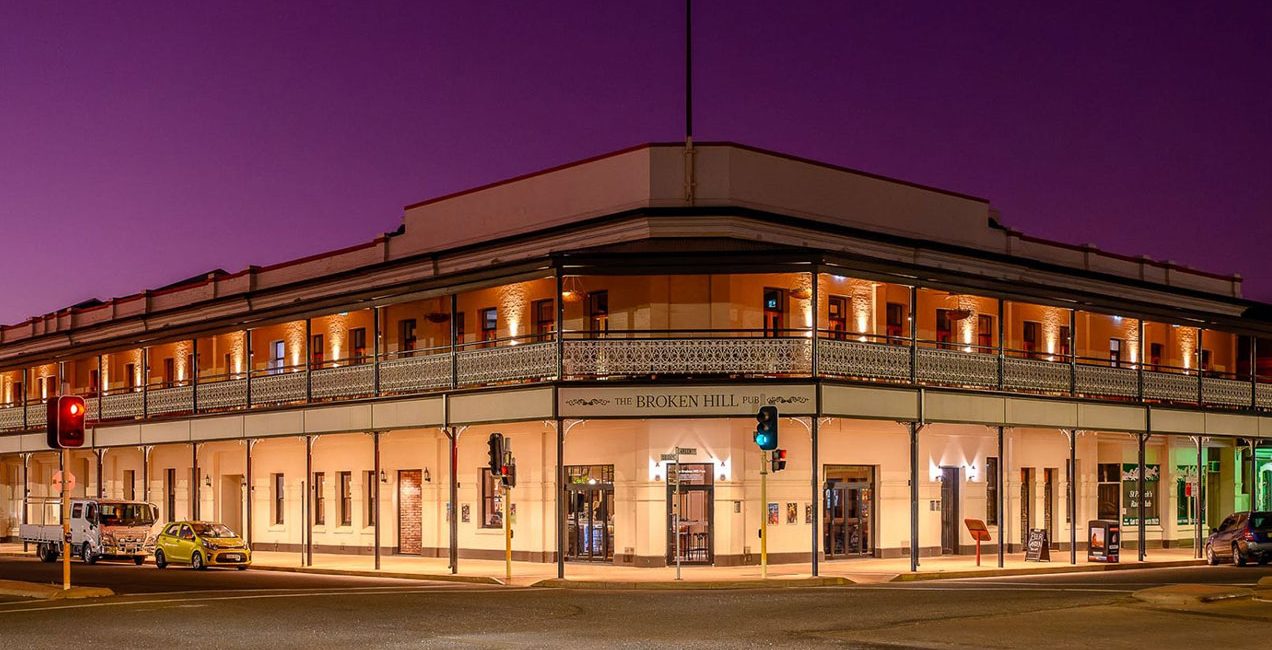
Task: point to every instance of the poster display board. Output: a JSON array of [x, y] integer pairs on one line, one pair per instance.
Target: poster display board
[[1037, 546], [1104, 541]]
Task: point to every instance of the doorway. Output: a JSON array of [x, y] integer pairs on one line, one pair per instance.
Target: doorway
[[410, 512], [694, 502], [232, 502], [1026, 503], [950, 477], [590, 513], [848, 511]]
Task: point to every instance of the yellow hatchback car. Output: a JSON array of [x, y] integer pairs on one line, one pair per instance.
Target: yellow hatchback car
[[201, 544]]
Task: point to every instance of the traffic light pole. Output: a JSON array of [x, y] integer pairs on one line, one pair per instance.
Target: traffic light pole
[[507, 535], [764, 471], [66, 526]]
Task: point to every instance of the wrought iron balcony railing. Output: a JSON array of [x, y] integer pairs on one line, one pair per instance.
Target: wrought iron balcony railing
[[650, 354]]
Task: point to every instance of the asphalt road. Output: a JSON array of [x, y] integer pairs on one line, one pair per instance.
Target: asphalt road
[[280, 610]]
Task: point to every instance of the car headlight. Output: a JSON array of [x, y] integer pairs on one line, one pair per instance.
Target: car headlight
[[210, 545]]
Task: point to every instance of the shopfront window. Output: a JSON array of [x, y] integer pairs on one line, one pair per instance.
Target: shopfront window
[[1109, 491], [491, 500]]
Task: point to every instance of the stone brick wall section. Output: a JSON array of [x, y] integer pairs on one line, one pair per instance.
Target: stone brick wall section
[[410, 512]]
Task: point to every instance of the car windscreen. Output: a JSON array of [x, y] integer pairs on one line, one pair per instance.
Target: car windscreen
[[1261, 520], [212, 530], [126, 514]]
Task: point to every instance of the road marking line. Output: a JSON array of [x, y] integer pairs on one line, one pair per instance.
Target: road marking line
[[971, 588], [256, 596]]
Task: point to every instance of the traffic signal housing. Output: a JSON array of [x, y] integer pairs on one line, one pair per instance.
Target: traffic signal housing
[[65, 427], [508, 475], [495, 447], [766, 428], [777, 462]]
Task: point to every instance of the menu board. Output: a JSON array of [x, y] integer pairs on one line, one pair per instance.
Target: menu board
[[1037, 548]]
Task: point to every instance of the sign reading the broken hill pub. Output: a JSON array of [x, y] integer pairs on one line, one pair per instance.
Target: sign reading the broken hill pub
[[684, 401]]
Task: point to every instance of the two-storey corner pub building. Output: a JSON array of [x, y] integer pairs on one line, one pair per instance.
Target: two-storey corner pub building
[[929, 365]]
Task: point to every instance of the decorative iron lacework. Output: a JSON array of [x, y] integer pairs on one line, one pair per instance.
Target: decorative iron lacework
[[222, 394], [417, 373], [278, 389], [732, 356], [858, 359], [91, 409], [1229, 392], [510, 363], [11, 417], [1105, 380], [1170, 386], [957, 368], [123, 405], [1265, 395], [343, 381], [169, 400], [1036, 374]]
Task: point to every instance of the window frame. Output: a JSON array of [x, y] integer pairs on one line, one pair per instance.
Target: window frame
[[279, 500], [320, 502], [345, 484], [491, 500]]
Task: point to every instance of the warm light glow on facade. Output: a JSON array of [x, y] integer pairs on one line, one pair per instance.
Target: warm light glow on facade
[[1187, 337], [294, 335], [512, 307]]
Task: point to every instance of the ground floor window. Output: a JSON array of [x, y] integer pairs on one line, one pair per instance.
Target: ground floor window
[[1109, 491], [130, 485], [276, 487], [991, 491], [491, 500]]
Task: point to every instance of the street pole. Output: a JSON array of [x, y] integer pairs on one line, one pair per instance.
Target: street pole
[[507, 535], [675, 512], [66, 526], [764, 467]]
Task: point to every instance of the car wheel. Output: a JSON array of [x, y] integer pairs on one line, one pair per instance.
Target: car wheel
[[1237, 558], [87, 554], [48, 553], [160, 560], [1211, 558], [196, 561], [139, 560]]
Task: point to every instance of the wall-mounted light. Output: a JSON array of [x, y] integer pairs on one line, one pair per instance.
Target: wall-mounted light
[[427, 477], [384, 478], [207, 480]]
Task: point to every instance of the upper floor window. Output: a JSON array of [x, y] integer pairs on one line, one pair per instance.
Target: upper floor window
[[94, 381], [229, 364], [1205, 360], [358, 344], [1032, 338], [406, 334], [459, 328], [544, 318], [895, 321], [169, 372], [774, 311], [489, 326], [317, 351], [19, 392], [837, 315], [130, 376], [984, 332], [277, 357], [1155, 356], [597, 306], [1115, 353], [944, 328], [1066, 341]]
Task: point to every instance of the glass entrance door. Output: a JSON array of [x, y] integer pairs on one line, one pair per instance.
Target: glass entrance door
[[589, 513], [690, 510], [848, 511]]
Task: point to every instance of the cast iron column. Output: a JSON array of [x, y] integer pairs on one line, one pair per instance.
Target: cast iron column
[[914, 328], [375, 486], [1141, 528], [914, 496], [1073, 496], [375, 351], [247, 365], [1073, 351], [309, 520], [247, 490], [1002, 354], [194, 473], [815, 482], [560, 498], [1139, 360], [194, 375], [452, 434], [1002, 501], [1197, 498], [98, 453]]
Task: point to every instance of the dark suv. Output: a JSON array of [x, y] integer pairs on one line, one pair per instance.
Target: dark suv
[[1242, 537]]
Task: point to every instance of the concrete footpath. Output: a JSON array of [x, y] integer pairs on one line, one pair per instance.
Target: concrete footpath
[[50, 592], [599, 575]]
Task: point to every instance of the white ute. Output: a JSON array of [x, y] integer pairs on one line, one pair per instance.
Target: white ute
[[100, 528]]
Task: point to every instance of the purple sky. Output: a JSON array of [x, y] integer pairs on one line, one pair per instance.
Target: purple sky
[[156, 141]]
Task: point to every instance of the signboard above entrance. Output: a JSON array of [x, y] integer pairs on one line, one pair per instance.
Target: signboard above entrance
[[684, 401]]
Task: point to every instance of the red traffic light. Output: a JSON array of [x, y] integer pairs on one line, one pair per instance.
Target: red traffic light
[[65, 421]]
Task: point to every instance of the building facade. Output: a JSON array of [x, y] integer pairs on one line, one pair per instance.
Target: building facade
[[929, 364]]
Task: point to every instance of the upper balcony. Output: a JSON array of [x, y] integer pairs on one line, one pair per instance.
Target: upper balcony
[[643, 327]]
